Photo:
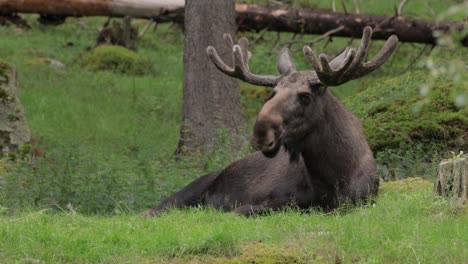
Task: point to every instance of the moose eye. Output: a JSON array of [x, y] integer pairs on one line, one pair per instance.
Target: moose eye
[[305, 98]]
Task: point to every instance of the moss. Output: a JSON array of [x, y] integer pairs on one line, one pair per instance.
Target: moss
[[396, 116], [4, 72], [117, 59], [25, 150], [409, 184], [4, 96], [13, 117]]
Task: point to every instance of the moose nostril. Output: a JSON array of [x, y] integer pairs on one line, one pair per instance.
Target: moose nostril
[[271, 144]]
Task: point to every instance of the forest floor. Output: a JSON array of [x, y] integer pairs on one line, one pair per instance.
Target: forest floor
[[107, 140]]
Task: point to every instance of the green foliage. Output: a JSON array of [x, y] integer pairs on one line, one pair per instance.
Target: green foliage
[[117, 59]]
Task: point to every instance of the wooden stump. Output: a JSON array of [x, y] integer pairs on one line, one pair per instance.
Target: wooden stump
[[452, 178]]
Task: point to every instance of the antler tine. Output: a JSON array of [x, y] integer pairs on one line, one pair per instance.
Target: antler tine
[[240, 70], [350, 64], [218, 62], [384, 54], [312, 58], [229, 44], [246, 54], [361, 54]]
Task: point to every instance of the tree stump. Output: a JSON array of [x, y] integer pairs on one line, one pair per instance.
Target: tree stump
[[452, 178], [14, 130]]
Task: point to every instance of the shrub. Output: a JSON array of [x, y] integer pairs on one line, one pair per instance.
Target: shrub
[[116, 59]]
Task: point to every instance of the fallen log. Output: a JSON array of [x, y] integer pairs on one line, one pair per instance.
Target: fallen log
[[118, 8], [250, 17], [312, 21]]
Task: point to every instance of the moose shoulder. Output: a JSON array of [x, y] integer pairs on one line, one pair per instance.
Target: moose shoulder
[[313, 152]]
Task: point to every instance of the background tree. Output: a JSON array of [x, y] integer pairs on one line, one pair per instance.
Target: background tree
[[211, 101]]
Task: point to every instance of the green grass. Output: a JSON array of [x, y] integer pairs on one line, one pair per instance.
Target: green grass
[[406, 225]]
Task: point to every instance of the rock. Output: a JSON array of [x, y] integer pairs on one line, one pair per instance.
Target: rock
[[48, 62], [14, 130], [452, 178]]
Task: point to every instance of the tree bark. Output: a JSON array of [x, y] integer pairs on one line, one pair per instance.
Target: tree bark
[[249, 17], [211, 103], [452, 179]]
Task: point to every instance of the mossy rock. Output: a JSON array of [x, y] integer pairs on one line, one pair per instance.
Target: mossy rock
[[116, 59], [396, 116]]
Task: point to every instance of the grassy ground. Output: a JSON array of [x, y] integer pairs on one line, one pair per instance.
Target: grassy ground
[[406, 225], [108, 140]]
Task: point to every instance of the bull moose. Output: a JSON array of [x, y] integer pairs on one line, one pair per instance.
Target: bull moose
[[312, 150]]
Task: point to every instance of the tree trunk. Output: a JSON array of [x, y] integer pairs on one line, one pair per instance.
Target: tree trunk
[[452, 178], [249, 17], [211, 101]]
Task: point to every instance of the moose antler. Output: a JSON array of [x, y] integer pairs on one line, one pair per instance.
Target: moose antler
[[241, 57], [350, 64]]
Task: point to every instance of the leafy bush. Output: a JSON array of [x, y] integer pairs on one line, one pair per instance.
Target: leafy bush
[[117, 59]]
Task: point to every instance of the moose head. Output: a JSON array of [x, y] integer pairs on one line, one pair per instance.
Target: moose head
[[299, 102]]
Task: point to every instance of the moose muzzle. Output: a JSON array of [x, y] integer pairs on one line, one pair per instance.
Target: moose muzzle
[[268, 134]]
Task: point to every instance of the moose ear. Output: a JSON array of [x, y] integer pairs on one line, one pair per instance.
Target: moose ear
[[285, 65]]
